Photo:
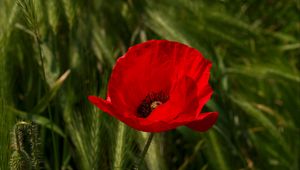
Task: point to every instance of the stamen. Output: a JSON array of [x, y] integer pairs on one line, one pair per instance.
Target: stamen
[[151, 101], [155, 104]]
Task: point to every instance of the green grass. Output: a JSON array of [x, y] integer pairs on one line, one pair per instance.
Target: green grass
[[53, 54]]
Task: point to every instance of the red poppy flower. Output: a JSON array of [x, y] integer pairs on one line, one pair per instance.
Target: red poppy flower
[[159, 85]]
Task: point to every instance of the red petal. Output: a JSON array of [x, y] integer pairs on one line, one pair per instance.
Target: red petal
[[102, 104], [134, 122], [151, 67], [191, 114], [153, 127], [137, 123], [148, 67], [143, 69], [107, 107], [183, 100], [194, 65], [203, 122]]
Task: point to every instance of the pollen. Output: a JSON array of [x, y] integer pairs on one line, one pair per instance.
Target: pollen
[[151, 102], [155, 104]]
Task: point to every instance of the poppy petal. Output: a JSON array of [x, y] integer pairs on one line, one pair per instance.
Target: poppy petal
[[137, 123], [102, 104], [204, 121], [177, 70], [145, 68], [203, 78], [183, 98], [196, 67], [193, 113]]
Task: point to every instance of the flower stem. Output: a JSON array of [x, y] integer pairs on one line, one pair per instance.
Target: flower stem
[[143, 154]]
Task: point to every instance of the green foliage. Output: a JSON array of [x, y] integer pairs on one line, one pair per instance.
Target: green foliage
[[53, 54]]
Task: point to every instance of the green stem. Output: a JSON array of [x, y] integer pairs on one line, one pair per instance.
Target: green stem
[[55, 147], [143, 154]]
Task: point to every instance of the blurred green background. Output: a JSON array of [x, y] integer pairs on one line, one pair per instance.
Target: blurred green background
[[54, 53]]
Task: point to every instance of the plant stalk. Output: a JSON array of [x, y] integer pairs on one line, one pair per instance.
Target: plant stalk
[[143, 154]]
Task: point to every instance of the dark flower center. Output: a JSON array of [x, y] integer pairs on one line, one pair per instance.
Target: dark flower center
[[151, 101]]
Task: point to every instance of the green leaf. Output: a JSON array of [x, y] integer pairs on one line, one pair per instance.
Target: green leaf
[[40, 120], [43, 103]]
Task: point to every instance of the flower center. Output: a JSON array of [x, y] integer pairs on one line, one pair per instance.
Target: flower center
[[155, 104], [151, 102]]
